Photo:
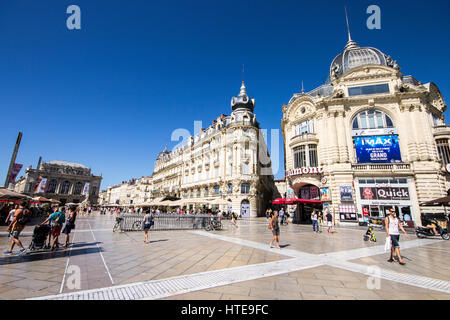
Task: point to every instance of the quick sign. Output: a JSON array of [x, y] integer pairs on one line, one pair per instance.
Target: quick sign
[[378, 149], [385, 193]]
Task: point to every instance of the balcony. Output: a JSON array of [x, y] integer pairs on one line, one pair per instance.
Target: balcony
[[441, 131], [391, 167], [305, 137]]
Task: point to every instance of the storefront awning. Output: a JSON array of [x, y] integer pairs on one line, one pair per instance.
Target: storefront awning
[[445, 201], [295, 201]]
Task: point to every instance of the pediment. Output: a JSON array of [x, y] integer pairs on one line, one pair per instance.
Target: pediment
[[369, 72]]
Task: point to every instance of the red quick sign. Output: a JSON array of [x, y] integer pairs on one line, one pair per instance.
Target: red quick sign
[[305, 170]]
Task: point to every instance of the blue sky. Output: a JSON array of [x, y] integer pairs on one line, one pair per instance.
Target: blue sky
[[109, 95]]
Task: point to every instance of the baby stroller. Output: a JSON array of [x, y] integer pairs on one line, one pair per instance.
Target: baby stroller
[[40, 234], [370, 235]]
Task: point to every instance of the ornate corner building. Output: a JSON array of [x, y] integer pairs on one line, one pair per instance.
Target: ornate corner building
[[368, 140], [226, 164]]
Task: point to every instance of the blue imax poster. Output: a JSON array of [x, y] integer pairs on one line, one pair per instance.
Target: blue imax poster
[[379, 149]]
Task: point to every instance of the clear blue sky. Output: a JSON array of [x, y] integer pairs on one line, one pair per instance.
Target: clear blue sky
[[109, 95]]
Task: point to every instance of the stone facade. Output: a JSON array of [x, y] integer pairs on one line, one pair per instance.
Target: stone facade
[[66, 182], [133, 192], [227, 161], [347, 133]]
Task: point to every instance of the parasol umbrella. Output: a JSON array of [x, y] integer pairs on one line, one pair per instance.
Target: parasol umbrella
[[9, 195], [41, 199], [54, 201]]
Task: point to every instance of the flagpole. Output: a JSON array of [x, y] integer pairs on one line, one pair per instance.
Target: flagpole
[[13, 158]]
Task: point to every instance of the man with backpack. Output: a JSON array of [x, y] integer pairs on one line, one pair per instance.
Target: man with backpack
[[56, 220], [21, 217]]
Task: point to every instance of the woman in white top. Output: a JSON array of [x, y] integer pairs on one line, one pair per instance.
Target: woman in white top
[[392, 224]]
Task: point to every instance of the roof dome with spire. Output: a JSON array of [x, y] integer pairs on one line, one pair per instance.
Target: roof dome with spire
[[355, 56], [242, 101]]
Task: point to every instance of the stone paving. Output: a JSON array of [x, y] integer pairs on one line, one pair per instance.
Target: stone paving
[[239, 261]]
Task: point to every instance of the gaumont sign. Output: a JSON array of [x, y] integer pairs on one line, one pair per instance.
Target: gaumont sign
[[305, 170]]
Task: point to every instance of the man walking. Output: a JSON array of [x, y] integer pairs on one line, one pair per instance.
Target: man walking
[[315, 223], [281, 214], [392, 224], [329, 221], [16, 226]]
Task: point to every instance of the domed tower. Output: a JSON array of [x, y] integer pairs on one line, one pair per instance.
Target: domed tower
[[355, 56], [242, 101]]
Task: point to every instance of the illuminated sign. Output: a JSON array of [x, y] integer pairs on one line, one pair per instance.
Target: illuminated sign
[[378, 149]]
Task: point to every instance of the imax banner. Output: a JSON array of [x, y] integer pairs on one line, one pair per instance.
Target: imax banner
[[378, 149]]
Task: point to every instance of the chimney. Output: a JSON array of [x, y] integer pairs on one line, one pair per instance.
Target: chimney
[[39, 163]]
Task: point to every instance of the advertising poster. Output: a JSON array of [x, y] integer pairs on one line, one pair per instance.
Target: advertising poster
[[37, 183], [42, 185], [86, 188], [378, 149], [346, 193], [290, 193], [325, 194], [314, 193], [304, 193]]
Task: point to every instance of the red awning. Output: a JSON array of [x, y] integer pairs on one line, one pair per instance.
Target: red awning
[[295, 201]]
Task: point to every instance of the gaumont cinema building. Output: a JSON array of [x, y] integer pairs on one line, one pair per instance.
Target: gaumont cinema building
[[368, 140]]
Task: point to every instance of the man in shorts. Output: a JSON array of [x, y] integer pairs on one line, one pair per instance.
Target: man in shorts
[[392, 225], [56, 220], [15, 228]]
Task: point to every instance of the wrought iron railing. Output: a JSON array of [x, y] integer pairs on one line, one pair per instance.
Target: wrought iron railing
[[134, 222]]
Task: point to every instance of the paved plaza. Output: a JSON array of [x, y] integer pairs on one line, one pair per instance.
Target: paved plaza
[[222, 265]]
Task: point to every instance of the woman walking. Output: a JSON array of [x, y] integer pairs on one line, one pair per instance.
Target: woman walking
[[148, 221], [315, 223], [233, 220], [275, 227], [70, 224], [392, 224]]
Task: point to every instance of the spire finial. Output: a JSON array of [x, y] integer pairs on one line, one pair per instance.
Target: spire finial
[[348, 27], [243, 91]]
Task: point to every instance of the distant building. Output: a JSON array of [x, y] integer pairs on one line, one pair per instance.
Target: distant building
[[60, 180]]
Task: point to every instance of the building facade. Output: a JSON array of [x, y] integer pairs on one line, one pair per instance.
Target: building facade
[[368, 140], [133, 192], [226, 163], [63, 181]]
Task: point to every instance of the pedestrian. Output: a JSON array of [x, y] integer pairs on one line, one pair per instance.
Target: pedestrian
[[268, 213], [329, 221], [148, 222], [281, 214], [275, 227], [233, 220], [320, 219], [392, 224], [315, 222], [21, 217], [10, 216], [70, 224], [56, 221]]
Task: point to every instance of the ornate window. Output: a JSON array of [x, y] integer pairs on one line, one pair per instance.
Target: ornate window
[[372, 119], [51, 188], [230, 188], [65, 187], [245, 188], [206, 191], [216, 189]]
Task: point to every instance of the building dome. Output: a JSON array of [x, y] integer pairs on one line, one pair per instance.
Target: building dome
[[242, 101], [355, 56]]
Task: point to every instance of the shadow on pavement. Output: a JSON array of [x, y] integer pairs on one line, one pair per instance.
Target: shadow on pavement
[[159, 240], [44, 255], [284, 245]]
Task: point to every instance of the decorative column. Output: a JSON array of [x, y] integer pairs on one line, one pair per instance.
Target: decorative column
[[321, 128], [333, 148], [341, 133]]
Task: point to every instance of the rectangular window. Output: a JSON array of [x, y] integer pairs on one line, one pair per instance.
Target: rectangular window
[[245, 169], [299, 157], [372, 89], [444, 151], [304, 127], [312, 155]]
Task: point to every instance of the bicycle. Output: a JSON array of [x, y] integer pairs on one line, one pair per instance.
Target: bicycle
[[214, 224], [117, 225]]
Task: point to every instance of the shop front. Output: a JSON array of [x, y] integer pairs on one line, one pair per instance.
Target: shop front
[[377, 196]]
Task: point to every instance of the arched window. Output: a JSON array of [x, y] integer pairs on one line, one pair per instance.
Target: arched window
[[65, 187], [216, 189], [372, 119], [230, 188], [51, 188], [78, 188]]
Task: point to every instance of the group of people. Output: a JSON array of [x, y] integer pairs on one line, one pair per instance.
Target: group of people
[[21, 215]]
